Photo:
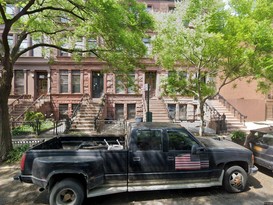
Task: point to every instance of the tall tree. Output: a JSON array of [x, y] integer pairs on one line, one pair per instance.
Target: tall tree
[[210, 40], [121, 24]]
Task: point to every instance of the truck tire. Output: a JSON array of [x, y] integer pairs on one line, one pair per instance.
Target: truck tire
[[68, 191], [235, 179]]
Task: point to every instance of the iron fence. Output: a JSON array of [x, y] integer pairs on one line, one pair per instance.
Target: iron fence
[[38, 127]]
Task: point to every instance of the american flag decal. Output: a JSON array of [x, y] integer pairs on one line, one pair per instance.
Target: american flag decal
[[190, 162]]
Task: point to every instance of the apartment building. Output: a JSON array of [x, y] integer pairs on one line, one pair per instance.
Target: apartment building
[[65, 83]]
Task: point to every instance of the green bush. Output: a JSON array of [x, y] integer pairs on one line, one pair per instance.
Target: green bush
[[26, 129], [16, 154], [238, 136]]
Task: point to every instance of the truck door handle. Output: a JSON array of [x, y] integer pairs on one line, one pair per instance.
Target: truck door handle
[[136, 159], [170, 158]]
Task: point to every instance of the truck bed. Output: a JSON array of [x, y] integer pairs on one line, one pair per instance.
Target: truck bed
[[67, 142]]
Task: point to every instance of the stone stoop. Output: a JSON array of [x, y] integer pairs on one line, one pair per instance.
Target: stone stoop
[[233, 123], [20, 108], [159, 110], [84, 122]]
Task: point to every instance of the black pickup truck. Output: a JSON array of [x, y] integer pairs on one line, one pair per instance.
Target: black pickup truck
[[153, 156]]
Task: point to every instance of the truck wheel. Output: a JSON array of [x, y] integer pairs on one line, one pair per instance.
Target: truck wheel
[[68, 191], [235, 179]]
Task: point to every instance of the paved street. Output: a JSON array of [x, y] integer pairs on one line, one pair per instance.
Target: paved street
[[259, 191]]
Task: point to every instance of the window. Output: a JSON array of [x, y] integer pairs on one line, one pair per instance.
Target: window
[[131, 111], [120, 87], [24, 45], [10, 10], [125, 84], [10, 40], [149, 8], [76, 81], [64, 53], [131, 81], [172, 110], [119, 108], [183, 112], [171, 8], [19, 82], [178, 74], [74, 107], [79, 44], [63, 111], [147, 42], [149, 140], [37, 52], [91, 45], [63, 81], [180, 140]]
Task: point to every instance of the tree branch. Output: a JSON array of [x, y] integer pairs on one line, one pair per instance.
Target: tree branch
[[22, 12], [54, 9], [2, 12], [95, 52]]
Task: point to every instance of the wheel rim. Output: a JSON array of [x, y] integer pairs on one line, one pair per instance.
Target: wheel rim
[[66, 196], [236, 179]]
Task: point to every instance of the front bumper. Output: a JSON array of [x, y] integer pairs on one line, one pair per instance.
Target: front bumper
[[253, 170]]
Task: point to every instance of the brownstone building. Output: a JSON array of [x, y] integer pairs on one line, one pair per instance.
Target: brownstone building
[[63, 86]]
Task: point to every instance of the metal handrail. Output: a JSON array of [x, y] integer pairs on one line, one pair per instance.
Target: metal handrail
[[12, 105], [102, 108], [78, 106], [38, 99], [213, 111], [230, 106]]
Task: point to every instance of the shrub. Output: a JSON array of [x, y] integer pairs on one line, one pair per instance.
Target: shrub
[[17, 153], [238, 136], [35, 119]]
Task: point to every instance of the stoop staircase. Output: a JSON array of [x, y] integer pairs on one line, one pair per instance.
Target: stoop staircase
[[233, 123], [20, 108], [84, 121], [159, 110]]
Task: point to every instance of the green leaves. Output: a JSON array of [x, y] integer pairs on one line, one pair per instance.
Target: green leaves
[[119, 24]]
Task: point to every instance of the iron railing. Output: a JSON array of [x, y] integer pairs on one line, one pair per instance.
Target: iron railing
[[28, 108], [231, 108], [16, 101], [78, 106], [213, 113]]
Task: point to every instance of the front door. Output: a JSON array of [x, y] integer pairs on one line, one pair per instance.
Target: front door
[[41, 83], [97, 84], [150, 79]]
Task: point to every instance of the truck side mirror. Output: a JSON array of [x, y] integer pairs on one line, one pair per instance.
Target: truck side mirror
[[196, 149]]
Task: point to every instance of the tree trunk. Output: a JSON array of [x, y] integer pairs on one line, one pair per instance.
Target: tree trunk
[[5, 88], [202, 115], [5, 134]]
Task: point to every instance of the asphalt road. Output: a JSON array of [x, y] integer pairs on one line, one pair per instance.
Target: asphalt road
[[258, 192]]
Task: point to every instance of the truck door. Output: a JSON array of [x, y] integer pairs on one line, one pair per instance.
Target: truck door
[[147, 161], [183, 163]]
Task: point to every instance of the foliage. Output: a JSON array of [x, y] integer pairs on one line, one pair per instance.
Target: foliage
[[32, 116], [34, 119], [238, 136], [22, 130], [214, 43], [27, 129], [117, 26], [17, 153]]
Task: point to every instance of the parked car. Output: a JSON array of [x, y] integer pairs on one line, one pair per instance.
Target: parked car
[[260, 142], [152, 156]]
